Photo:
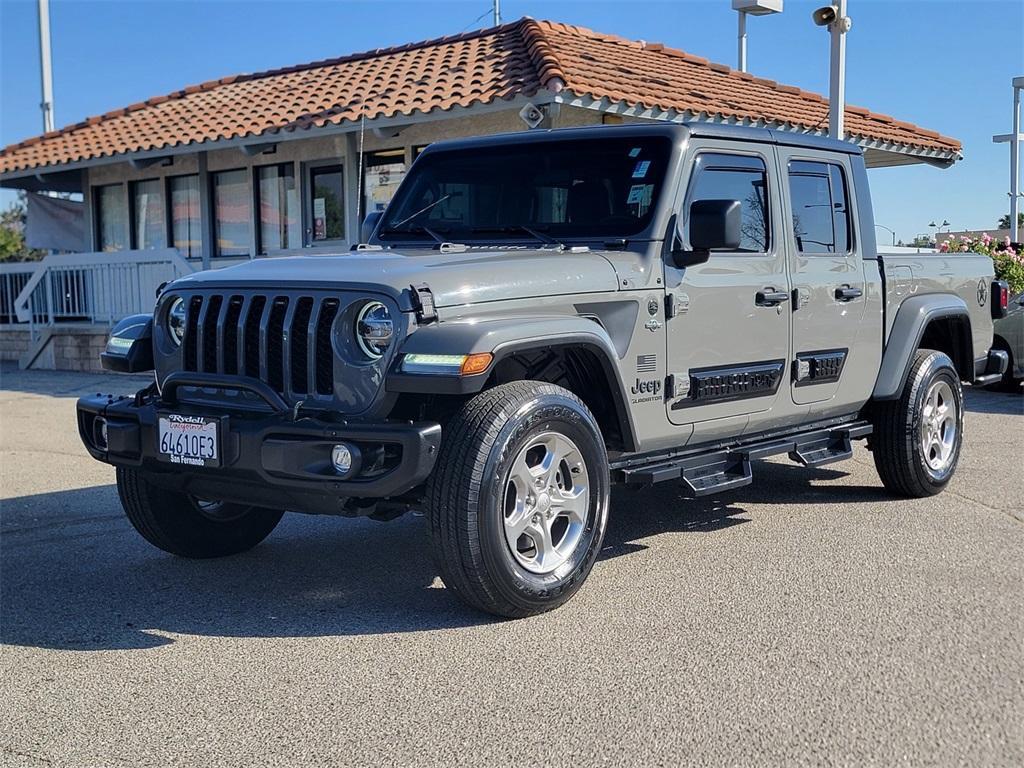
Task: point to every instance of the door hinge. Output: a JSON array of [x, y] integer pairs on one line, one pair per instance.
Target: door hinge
[[676, 304], [423, 303], [677, 385]]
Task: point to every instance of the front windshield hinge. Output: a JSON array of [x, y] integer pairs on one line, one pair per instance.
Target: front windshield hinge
[[423, 303]]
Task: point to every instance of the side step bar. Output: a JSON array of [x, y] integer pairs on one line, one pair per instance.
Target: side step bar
[[722, 470]]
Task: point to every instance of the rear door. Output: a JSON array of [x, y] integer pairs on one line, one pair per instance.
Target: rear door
[[827, 272], [728, 326]]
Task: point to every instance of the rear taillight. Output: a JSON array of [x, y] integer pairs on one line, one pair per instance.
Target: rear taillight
[[1000, 298]]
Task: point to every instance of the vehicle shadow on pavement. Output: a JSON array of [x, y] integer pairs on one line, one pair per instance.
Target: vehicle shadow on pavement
[[665, 509], [988, 401], [76, 576]]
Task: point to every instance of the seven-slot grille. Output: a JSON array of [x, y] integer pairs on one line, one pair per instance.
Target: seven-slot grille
[[284, 341]]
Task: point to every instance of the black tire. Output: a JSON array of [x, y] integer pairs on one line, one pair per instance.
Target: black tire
[[896, 442], [1008, 383], [466, 497], [176, 523]]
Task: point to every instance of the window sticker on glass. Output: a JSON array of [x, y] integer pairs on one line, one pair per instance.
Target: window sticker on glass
[[639, 194], [319, 218], [641, 169], [634, 152]]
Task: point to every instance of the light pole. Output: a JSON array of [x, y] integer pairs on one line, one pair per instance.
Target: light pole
[[882, 226], [45, 67], [1014, 139], [754, 8], [834, 17], [938, 228]]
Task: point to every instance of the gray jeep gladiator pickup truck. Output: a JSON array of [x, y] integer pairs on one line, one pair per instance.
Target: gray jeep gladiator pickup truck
[[535, 317]]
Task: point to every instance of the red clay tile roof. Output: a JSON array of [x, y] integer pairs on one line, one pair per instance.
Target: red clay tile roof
[[459, 71]]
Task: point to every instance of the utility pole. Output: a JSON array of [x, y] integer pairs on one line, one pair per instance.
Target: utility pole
[[45, 68], [752, 8], [1015, 140], [838, 23], [497, 12]]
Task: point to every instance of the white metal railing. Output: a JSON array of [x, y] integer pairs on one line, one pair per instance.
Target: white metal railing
[[13, 277], [98, 288]]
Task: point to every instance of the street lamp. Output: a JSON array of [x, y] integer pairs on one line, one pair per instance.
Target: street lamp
[[938, 228], [834, 17], [882, 226], [1014, 139], [754, 8]]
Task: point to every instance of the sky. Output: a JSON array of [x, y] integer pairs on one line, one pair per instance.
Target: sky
[[945, 65]]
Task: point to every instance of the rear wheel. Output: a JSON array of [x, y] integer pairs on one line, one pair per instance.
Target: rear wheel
[[182, 525], [917, 438], [1008, 383], [518, 501]]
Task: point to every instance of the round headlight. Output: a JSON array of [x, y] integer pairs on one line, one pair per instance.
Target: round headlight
[[374, 329], [176, 320]]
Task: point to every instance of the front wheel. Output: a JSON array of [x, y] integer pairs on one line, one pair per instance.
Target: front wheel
[[917, 438], [190, 527], [518, 501]]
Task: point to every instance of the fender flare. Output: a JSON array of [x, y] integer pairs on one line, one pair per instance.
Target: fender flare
[[503, 337], [912, 319]]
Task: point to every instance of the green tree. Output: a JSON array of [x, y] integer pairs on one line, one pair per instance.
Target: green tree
[[12, 234], [1004, 222]]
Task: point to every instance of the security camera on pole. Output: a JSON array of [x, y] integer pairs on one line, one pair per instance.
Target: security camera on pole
[[834, 17]]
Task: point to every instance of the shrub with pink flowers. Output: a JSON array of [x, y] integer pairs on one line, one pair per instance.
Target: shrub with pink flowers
[[1007, 260]]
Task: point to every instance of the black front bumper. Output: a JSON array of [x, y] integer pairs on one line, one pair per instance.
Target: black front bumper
[[269, 459]]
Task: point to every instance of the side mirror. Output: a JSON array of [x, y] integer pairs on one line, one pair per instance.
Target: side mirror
[[130, 346], [714, 225], [369, 225]]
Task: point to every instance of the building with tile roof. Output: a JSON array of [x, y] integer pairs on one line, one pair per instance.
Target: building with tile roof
[[270, 162]]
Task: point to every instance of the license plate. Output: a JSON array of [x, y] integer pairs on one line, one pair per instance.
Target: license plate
[[192, 440]]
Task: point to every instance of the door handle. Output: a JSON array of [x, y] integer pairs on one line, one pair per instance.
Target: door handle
[[846, 293], [769, 297]]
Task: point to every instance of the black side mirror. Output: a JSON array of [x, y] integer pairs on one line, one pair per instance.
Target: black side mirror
[[714, 225], [369, 225], [130, 346]]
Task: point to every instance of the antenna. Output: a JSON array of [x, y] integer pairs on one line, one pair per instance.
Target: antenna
[[497, 12]]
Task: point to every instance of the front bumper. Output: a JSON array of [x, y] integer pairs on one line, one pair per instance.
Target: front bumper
[[267, 459]]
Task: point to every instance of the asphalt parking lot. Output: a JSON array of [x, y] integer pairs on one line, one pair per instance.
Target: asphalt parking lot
[[806, 620]]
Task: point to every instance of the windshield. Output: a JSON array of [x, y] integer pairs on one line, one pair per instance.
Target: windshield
[[536, 191]]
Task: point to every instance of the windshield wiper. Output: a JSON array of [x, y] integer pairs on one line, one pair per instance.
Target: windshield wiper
[[509, 228]]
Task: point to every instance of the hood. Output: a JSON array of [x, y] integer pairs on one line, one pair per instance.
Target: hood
[[455, 278]]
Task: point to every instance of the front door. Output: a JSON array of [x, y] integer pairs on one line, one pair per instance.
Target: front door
[[829, 292], [728, 323]]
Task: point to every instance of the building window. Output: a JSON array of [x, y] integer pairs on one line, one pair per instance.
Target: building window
[[232, 213], [278, 202], [111, 217], [186, 229], [820, 213], [327, 185], [383, 171], [736, 177], [148, 223]]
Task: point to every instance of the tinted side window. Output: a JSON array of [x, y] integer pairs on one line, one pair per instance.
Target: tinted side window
[[734, 177], [820, 211]]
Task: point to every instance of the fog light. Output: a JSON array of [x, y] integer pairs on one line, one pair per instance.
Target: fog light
[[342, 458], [100, 432]]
